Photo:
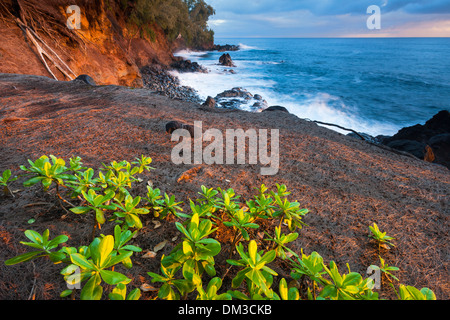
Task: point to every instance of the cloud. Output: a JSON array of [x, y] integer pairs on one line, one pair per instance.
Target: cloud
[[323, 18]]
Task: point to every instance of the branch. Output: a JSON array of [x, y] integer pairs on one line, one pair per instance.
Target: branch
[[335, 125]]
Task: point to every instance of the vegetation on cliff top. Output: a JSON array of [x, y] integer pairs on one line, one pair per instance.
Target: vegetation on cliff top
[[187, 18]]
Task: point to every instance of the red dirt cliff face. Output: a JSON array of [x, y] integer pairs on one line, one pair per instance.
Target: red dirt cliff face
[[105, 51]]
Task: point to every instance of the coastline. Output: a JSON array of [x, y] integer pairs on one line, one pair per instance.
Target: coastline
[[432, 145]]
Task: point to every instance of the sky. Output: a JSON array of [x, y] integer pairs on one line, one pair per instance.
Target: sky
[[329, 18]]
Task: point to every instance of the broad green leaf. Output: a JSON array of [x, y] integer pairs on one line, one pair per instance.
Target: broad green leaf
[[46, 182], [100, 216], [56, 241], [56, 257], [32, 181], [92, 290], [34, 236], [80, 210], [22, 258], [240, 276], [117, 259], [134, 295], [112, 277], [187, 248], [293, 294], [81, 261], [283, 289], [252, 251], [267, 258], [428, 293], [105, 248], [65, 293]]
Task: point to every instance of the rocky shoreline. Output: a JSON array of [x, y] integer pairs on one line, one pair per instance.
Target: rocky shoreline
[[158, 79], [429, 142]]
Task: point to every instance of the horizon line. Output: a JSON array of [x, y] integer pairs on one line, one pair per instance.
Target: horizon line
[[331, 37]]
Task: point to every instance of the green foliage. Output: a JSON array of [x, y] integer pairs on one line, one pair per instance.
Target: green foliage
[[154, 200], [280, 240], [241, 221], [211, 291], [94, 264], [5, 180], [198, 250], [289, 212], [412, 293], [170, 283], [121, 238], [170, 206], [44, 246], [287, 293], [97, 203], [85, 181], [128, 210], [379, 236], [188, 18], [120, 293], [255, 272], [349, 286], [386, 269], [191, 262], [49, 170]]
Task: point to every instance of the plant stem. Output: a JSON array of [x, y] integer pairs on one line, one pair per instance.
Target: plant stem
[[6, 190]]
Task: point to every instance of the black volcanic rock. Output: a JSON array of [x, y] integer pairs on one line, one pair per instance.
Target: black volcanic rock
[[210, 102], [225, 60], [86, 79], [182, 65], [226, 47], [435, 133], [276, 108]]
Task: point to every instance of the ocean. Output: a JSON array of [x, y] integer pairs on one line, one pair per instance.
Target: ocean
[[376, 86]]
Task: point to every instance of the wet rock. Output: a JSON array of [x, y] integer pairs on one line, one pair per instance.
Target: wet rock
[[434, 133], [236, 92], [158, 79], [182, 65], [260, 105], [414, 147], [257, 97], [225, 60], [226, 47], [240, 98]]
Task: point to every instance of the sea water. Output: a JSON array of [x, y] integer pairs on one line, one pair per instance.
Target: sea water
[[375, 86]]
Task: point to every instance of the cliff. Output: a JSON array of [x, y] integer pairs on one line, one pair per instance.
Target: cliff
[[106, 46]]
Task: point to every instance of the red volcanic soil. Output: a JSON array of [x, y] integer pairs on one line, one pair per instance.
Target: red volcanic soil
[[347, 184]]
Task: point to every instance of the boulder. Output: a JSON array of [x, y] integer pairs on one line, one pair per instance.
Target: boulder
[[225, 60], [258, 97], [435, 133], [416, 148], [240, 98], [276, 108], [210, 102], [226, 47], [175, 125], [86, 79], [235, 93], [182, 65]]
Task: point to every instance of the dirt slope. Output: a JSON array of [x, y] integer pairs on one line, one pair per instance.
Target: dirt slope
[[346, 184]]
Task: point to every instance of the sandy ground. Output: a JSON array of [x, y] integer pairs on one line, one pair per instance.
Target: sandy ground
[[347, 184]]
